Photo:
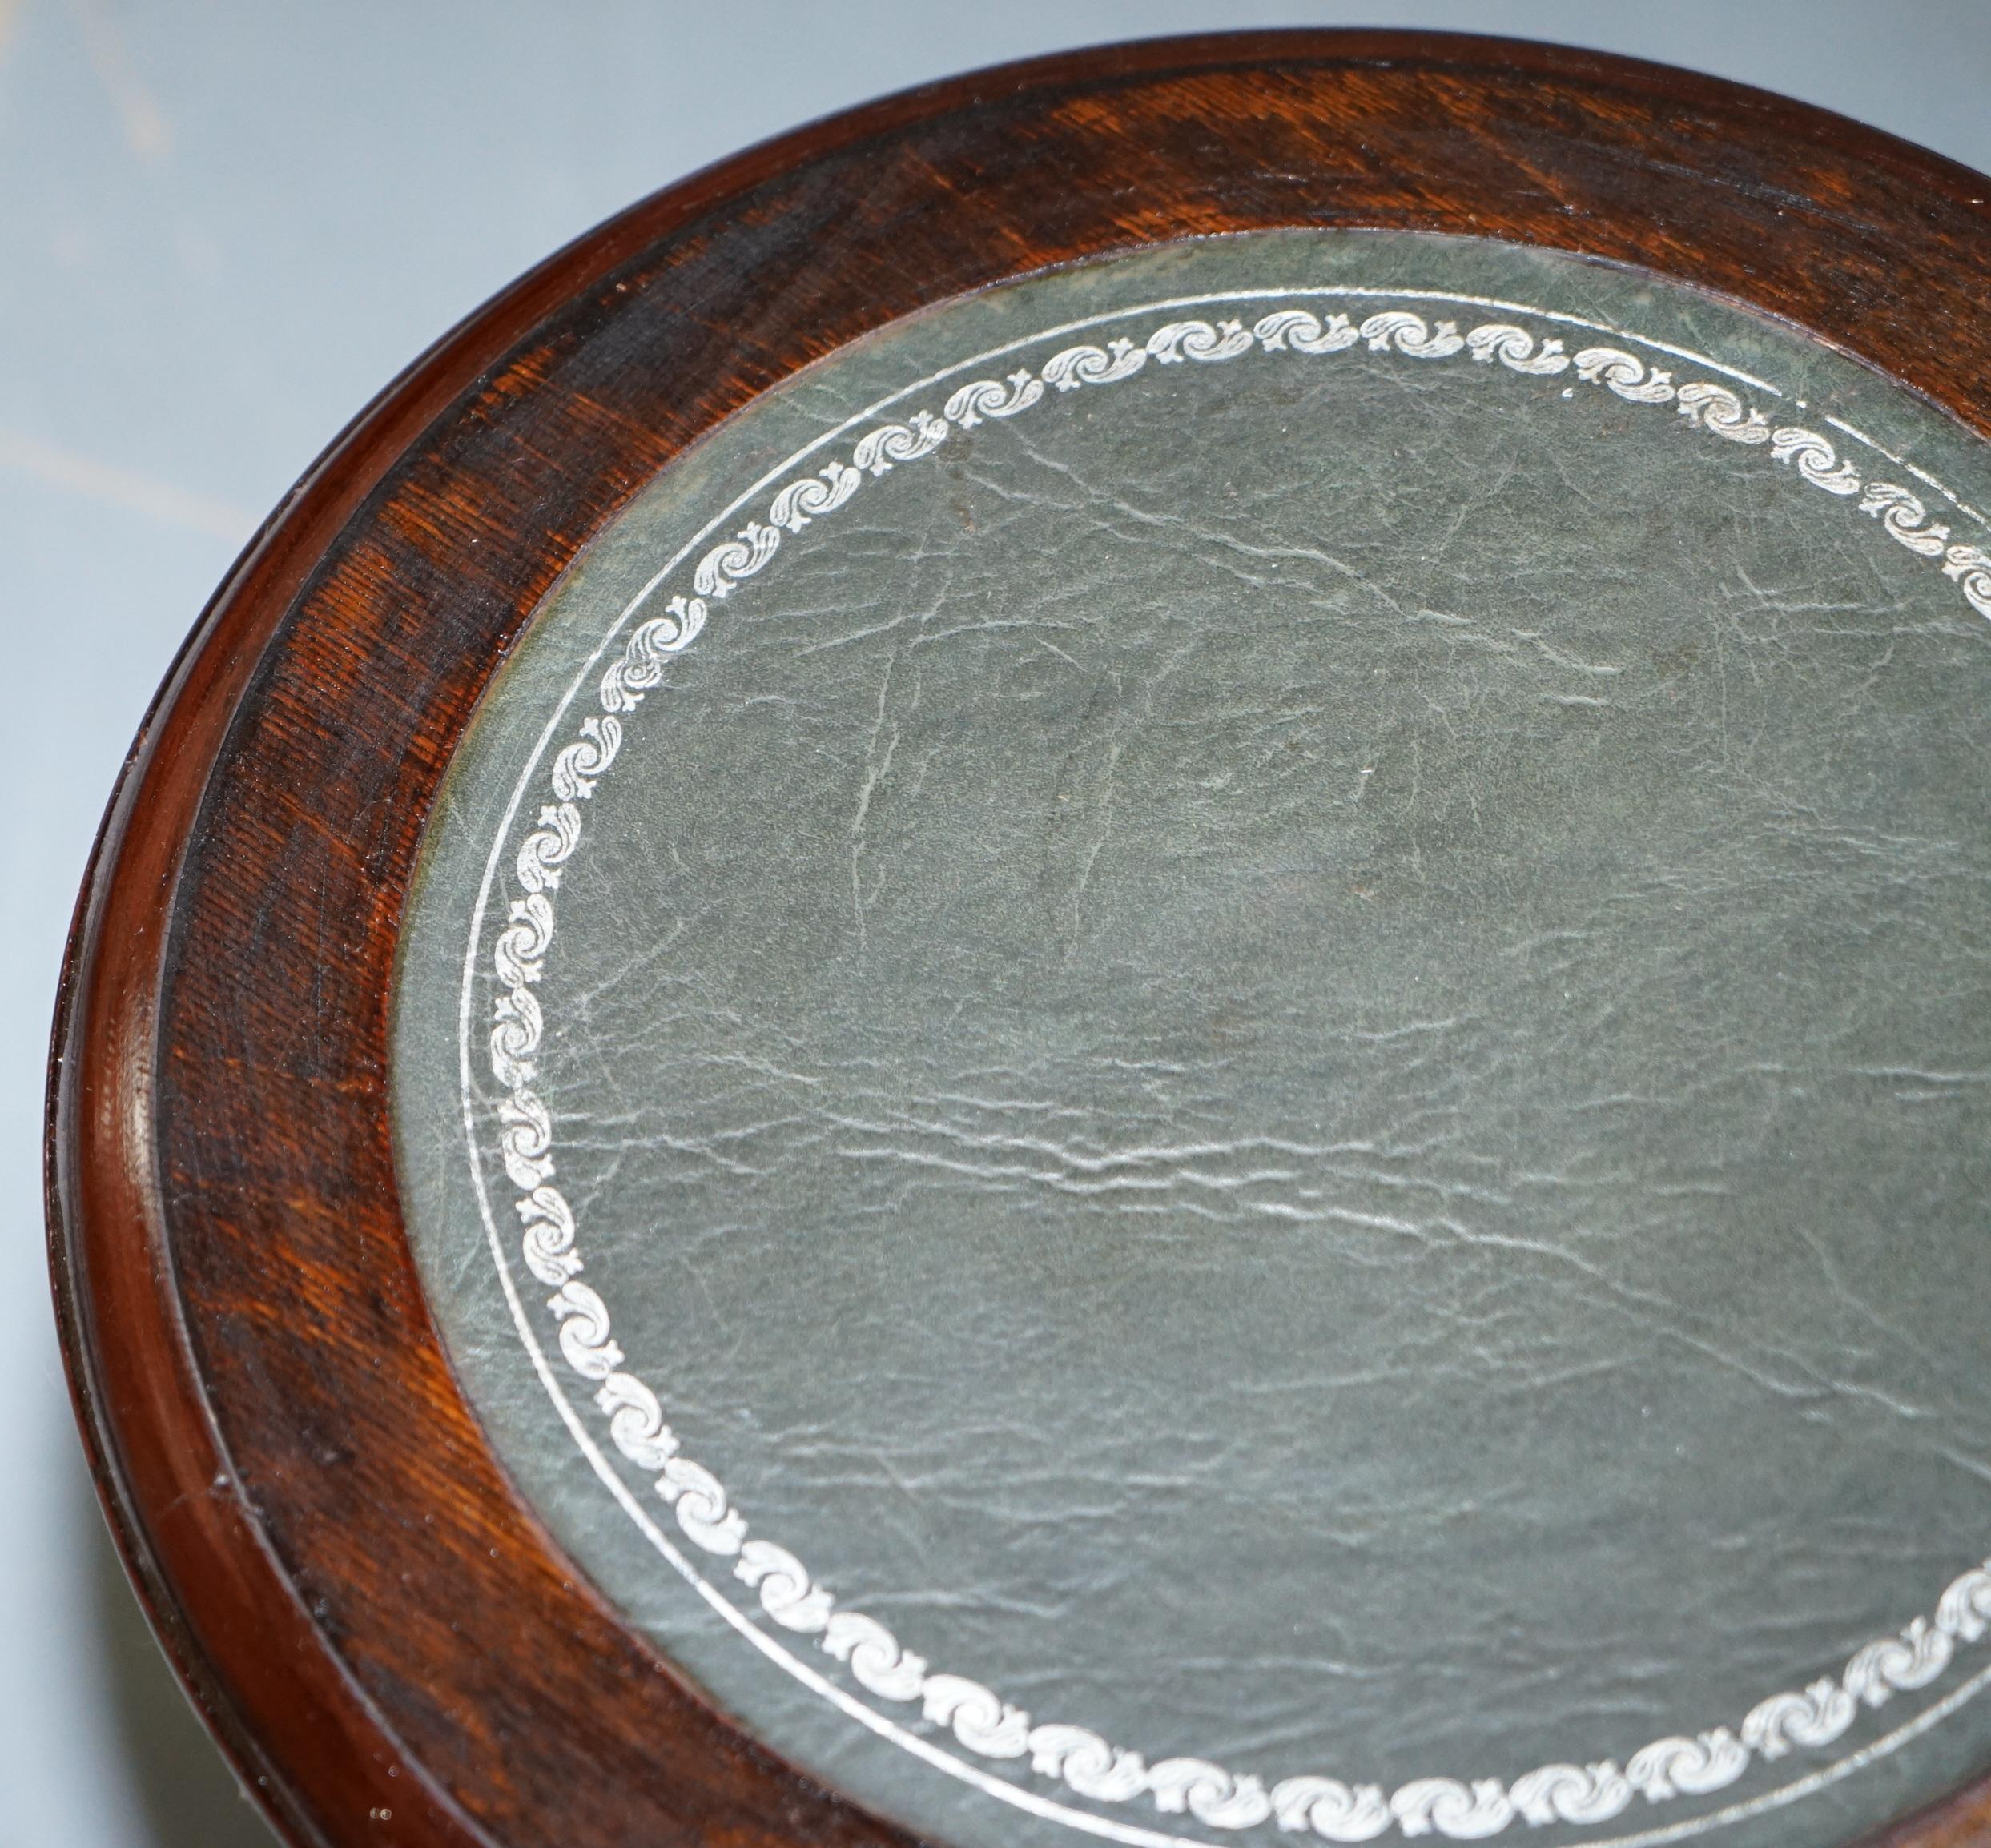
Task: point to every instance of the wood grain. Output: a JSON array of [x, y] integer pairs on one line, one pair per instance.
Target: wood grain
[[387, 1643]]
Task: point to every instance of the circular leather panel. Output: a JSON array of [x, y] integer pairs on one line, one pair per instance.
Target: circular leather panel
[[1195, 1053]]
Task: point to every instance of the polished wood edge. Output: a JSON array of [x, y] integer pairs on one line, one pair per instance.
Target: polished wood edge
[[197, 1550], [195, 1553]]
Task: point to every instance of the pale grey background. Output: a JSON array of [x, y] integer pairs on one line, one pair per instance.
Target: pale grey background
[[225, 227]]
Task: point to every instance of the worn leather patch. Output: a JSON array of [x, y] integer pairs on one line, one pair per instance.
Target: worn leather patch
[[1200, 1051]]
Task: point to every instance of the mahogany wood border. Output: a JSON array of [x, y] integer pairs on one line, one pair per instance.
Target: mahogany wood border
[[388, 1645]]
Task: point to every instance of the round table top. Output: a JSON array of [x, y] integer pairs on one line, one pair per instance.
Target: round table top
[[943, 1014]]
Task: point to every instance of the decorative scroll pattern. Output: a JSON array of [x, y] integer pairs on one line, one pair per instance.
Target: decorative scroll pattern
[[979, 1719]]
